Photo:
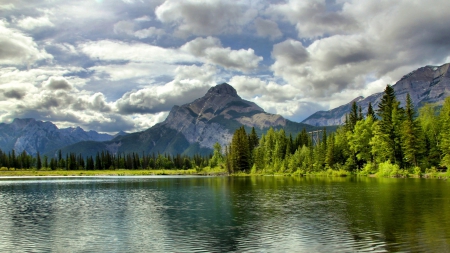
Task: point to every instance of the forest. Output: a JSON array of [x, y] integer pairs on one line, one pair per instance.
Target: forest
[[389, 141]]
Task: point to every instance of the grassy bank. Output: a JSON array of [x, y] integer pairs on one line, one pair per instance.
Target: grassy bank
[[16, 173], [211, 172]]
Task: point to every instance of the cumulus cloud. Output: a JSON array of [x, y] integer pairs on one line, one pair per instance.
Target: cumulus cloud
[[275, 98], [398, 38], [149, 32], [210, 17], [312, 19], [14, 93], [18, 49], [267, 28], [134, 70], [190, 82], [124, 26], [211, 50], [30, 23], [57, 83], [290, 52], [112, 50]]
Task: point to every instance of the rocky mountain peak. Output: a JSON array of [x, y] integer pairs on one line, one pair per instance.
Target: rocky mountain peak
[[222, 89]]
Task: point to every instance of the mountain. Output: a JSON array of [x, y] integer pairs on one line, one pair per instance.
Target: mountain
[[32, 136], [193, 128], [429, 84]]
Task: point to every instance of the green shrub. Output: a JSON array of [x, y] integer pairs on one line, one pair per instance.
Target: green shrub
[[432, 172], [417, 171], [387, 169], [368, 169]]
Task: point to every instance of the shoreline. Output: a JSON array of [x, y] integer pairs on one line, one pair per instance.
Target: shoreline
[[17, 174]]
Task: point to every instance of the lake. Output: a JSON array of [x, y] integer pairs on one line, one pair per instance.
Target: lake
[[223, 214]]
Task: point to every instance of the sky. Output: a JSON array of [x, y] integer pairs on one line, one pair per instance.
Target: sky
[[112, 65]]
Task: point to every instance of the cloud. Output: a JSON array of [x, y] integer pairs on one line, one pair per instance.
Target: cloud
[[275, 98], [113, 50], [133, 70], [290, 52], [267, 28], [123, 26], [399, 37], [312, 19], [149, 32], [18, 49], [14, 93], [30, 23], [204, 18], [190, 82], [57, 83], [9, 6], [210, 49]]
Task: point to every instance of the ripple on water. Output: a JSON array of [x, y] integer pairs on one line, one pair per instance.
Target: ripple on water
[[218, 215]]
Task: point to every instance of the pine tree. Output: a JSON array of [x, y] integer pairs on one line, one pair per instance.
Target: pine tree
[[240, 151], [38, 161], [387, 133], [353, 117], [412, 140], [371, 112]]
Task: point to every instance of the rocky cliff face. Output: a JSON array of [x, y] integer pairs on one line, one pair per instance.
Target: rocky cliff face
[[32, 136], [204, 121], [193, 128], [429, 84]]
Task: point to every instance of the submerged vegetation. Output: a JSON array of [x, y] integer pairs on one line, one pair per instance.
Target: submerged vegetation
[[390, 142]]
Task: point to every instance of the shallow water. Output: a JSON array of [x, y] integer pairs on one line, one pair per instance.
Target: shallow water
[[204, 214]]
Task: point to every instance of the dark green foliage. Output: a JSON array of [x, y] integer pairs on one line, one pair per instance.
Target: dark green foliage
[[371, 112]]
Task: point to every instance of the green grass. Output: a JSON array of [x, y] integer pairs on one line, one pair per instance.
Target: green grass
[[14, 173]]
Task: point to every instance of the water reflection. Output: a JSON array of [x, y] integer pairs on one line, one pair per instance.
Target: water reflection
[[269, 214]]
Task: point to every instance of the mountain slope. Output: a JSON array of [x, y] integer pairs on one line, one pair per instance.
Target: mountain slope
[[193, 128], [429, 84], [32, 136]]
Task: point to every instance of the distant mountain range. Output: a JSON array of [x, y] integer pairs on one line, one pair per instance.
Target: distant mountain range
[[429, 84], [32, 136], [193, 128]]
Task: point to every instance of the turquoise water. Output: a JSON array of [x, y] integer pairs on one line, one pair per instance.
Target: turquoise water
[[223, 214]]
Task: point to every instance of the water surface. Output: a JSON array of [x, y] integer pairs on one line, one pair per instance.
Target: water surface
[[221, 214]]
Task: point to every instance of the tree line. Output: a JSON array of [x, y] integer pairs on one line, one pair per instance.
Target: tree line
[[391, 135], [101, 161]]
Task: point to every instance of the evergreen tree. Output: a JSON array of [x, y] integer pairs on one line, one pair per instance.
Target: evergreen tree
[[353, 117], [45, 163], [387, 132], [38, 161], [445, 133], [371, 112], [431, 127], [240, 151], [330, 151], [412, 141]]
